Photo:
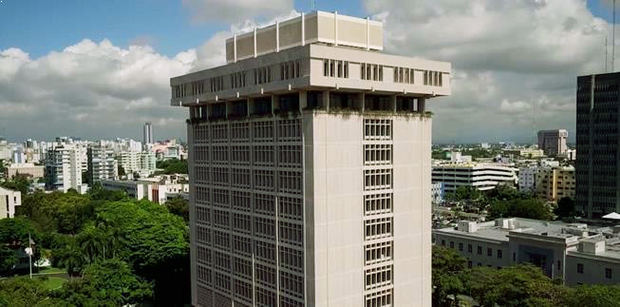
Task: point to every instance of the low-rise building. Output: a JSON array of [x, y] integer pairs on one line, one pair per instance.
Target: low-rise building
[[575, 253], [27, 169], [157, 189], [482, 176], [9, 199]]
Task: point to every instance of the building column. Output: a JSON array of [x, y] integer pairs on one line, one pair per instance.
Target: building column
[[326, 100], [274, 104], [303, 101], [421, 104]]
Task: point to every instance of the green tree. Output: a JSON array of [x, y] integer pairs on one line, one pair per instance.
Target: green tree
[[521, 285], [566, 208], [526, 208], [594, 296], [19, 183], [154, 241], [106, 283], [172, 166], [449, 275], [25, 292], [179, 206]]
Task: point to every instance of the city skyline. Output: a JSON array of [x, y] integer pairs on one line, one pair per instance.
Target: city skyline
[[124, 66]]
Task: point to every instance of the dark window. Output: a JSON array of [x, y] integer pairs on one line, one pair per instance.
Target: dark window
[[443, 242], [608, 273], [469, 248], [489, 251], [451, 244], [499, 254], [461, 247], [580, 268], [479, 250]]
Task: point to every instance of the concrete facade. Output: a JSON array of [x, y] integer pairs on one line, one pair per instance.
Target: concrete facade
[[482, 176], [28, 169], [557, 248], [63, 167], [310, 168], [9, 199], [553, 142], [556, 183]]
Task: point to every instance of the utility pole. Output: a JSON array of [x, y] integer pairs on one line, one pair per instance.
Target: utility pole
[[30, 252]]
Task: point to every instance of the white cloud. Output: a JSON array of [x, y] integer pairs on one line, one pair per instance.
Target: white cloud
[[515, 63], [236, 11], [90, 89]]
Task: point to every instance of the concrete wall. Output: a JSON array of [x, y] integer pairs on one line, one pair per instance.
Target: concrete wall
[[334, 201], [593, 269], [317, 27], [482, 259]]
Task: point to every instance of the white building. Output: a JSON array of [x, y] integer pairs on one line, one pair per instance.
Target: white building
[[157, 189], [310, 166], [576, 253], [102, 164], [482, 176], [142, 163], [9, 199], [63, 168]]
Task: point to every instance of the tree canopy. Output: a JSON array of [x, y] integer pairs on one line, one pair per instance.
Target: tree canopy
[[172, 166]]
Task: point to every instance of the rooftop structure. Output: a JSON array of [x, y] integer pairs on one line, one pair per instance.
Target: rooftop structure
[[558, 248], [310, 168]]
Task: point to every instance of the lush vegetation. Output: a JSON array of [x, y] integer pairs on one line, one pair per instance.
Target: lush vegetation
[[172, 166], [116, 250], [17, 183], [502, 201], [521, 285]]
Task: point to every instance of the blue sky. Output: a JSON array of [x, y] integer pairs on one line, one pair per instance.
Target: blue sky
[[39, 26], [66, 67]]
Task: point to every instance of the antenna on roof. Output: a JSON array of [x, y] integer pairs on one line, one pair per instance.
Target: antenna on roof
[[313, 4], [613, 38]]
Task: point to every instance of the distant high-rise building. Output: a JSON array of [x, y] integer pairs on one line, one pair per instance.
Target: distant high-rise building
[[310, 163], [147, 134], [102, 164], [553, 142], [63, 168], [598, 135]]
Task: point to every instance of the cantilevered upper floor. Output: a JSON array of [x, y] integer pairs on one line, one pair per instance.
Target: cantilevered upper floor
[[319, 51]]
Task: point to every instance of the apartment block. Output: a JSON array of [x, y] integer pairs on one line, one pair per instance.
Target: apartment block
[[310, 168], [102, 164], [556, 183], [63, 167]]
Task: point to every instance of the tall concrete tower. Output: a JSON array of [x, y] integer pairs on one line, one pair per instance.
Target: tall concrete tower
[[310, 168], [147, 134]]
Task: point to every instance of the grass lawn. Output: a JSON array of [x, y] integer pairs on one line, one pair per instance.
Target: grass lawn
[[51, 270], [52, 283]]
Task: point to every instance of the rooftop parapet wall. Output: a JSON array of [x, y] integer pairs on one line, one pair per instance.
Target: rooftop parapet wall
[[316, 27]]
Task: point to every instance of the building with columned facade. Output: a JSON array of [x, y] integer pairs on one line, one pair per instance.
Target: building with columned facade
[[310, 164]]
